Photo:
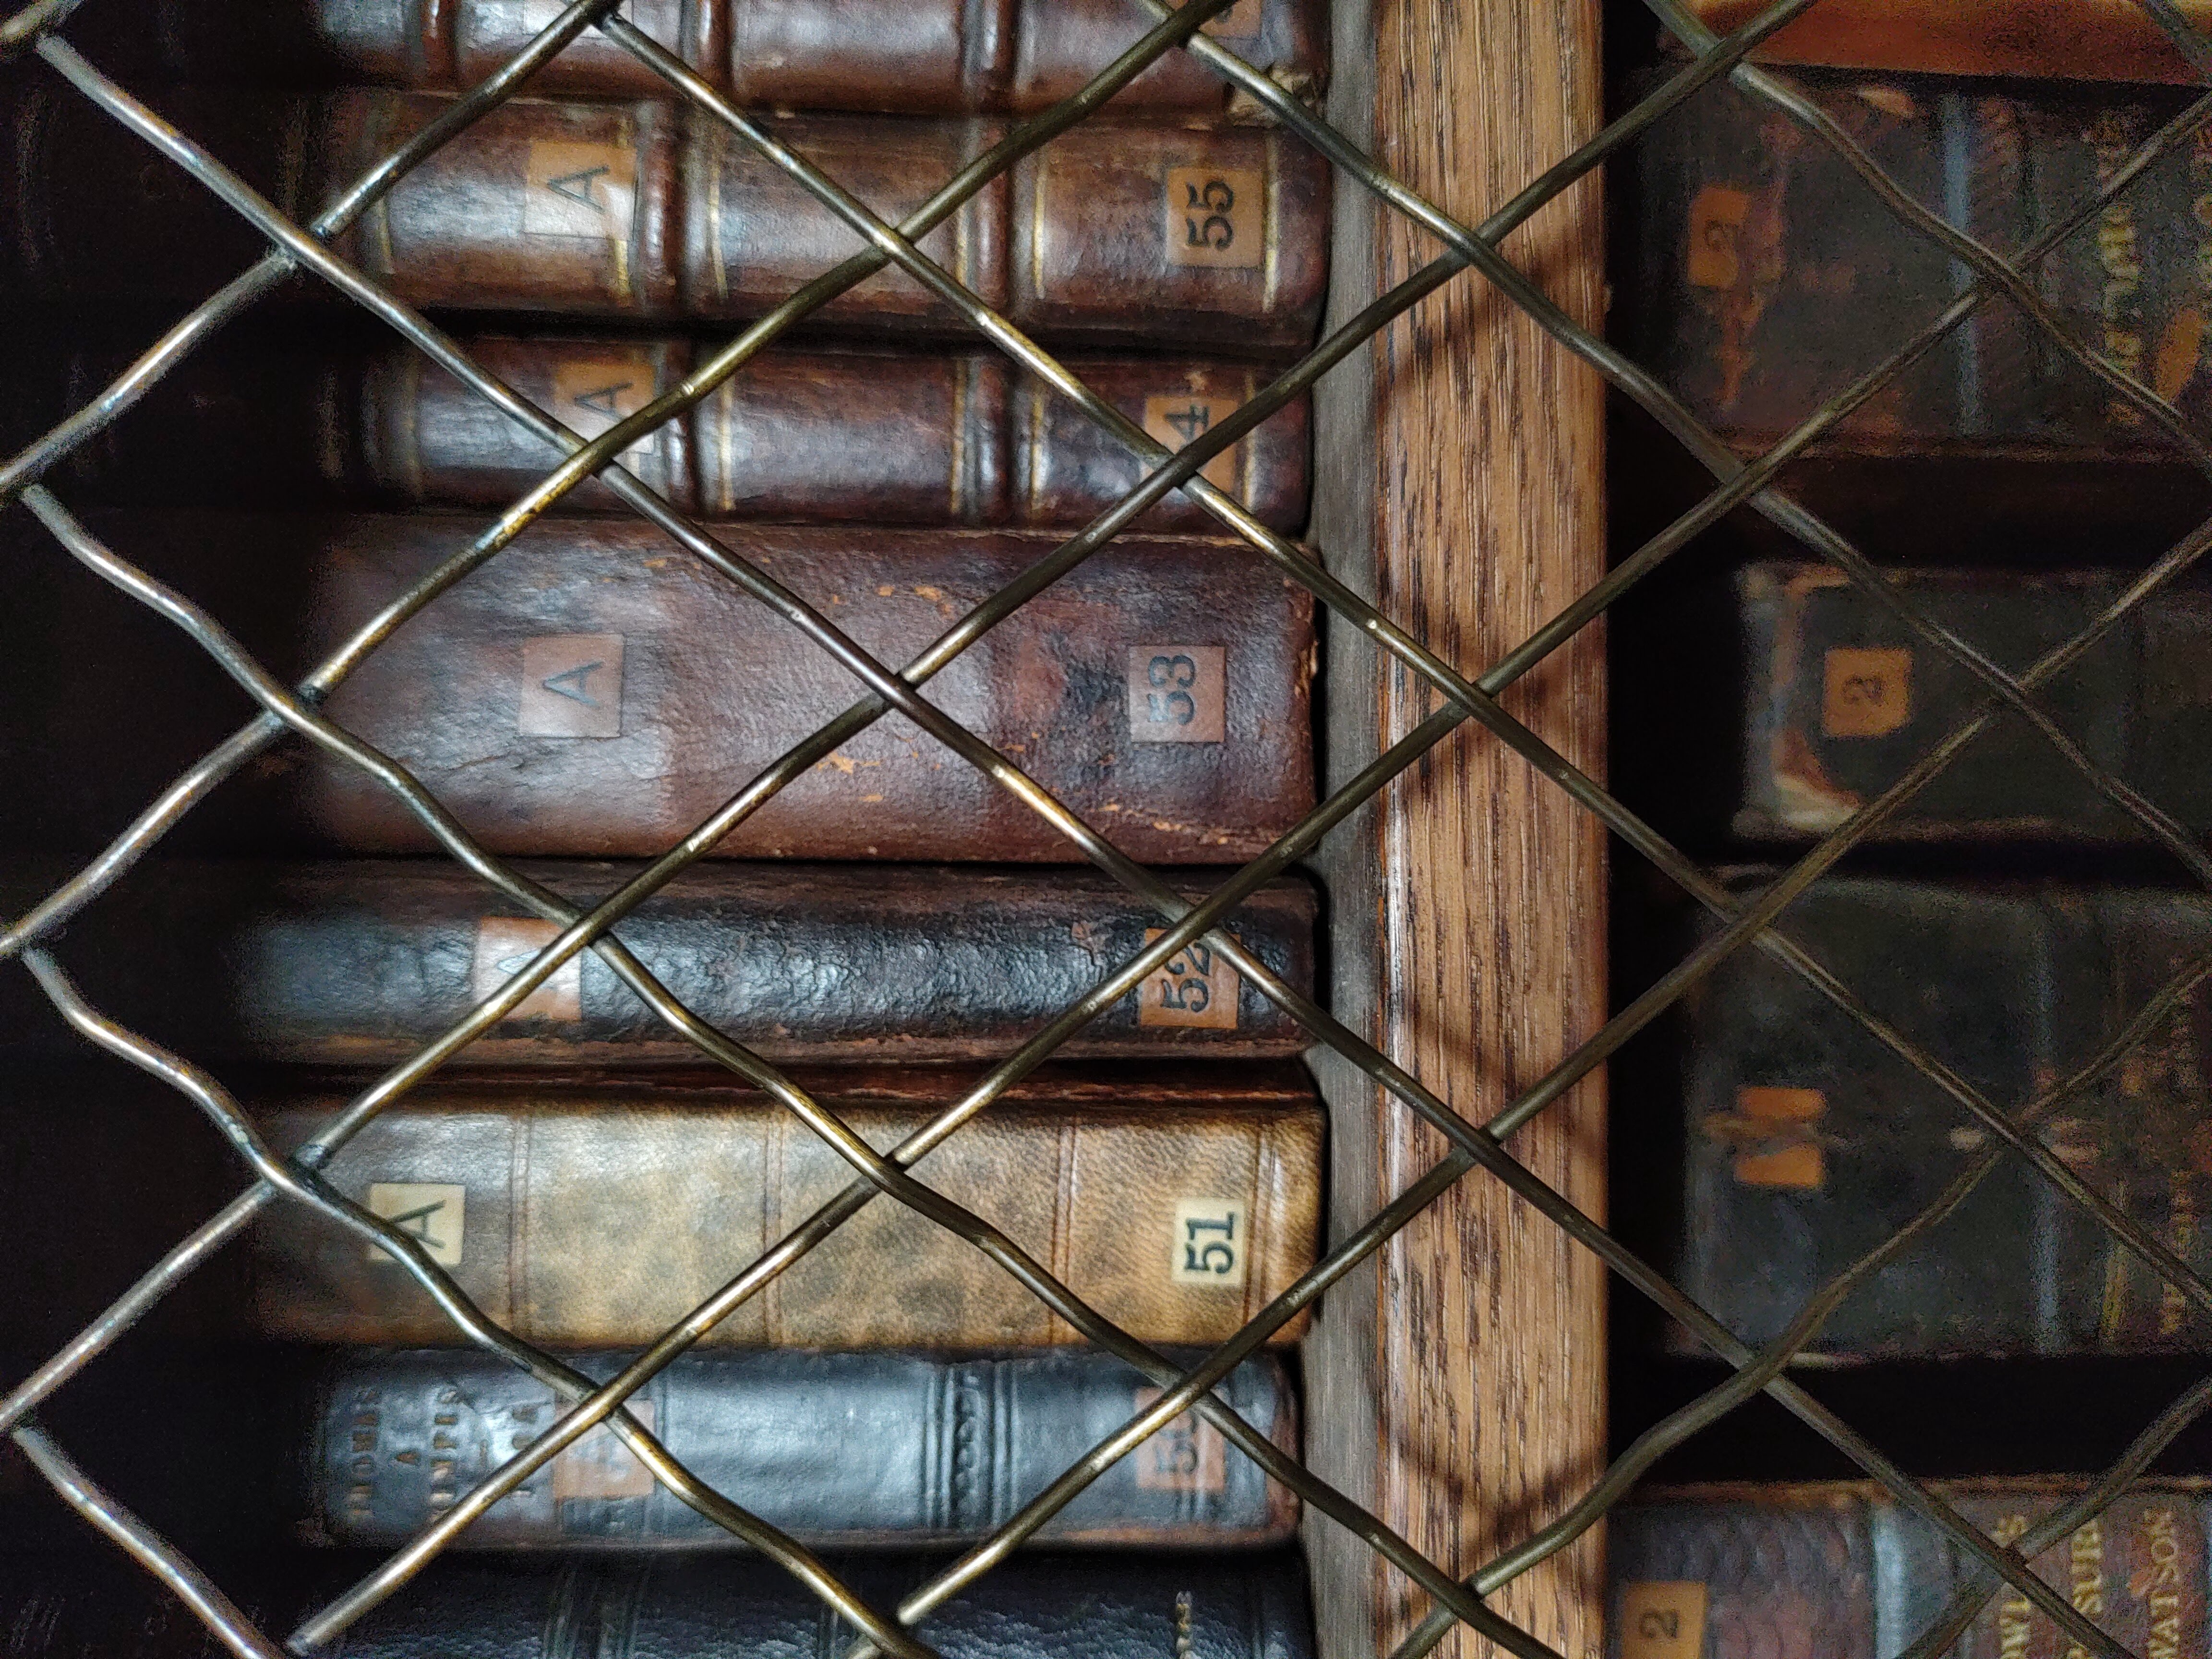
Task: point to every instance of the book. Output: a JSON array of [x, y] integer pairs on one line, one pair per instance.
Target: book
[[1119, 1606], [1840, 1570], [1768, 277], [1181, 233], [362, 963], [843, 1451], [585, 1212], [944, 57], [2063, 39], [595, 691], [1807, 1142], [1839, 699], [878, 436]]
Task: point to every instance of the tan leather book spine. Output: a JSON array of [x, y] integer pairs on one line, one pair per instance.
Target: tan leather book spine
[[2066, 39], [598, 1213]]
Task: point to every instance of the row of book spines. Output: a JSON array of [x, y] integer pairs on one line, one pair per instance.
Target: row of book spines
[[921, 56], [897, 438], [362, 1449], [1207, 236], [1843, 1571]]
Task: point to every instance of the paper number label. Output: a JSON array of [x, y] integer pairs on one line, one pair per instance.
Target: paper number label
[[1865, 692], [1185, 1455], [590, 396], [1662, 1621], [432, 1213], [1209, 1243], [505, 946], [572, 686], [599, 1466], [1175, 422], [1216, 216], [579, 190], [1194, 986], [1713, 257], [1177, 693]]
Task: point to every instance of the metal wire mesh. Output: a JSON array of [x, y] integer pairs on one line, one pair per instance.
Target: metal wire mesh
[[1465, 697]]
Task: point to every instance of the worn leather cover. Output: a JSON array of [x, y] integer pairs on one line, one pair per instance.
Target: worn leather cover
[[941, 57], [1808, 1143], [2064, 39], [1840, 1571], [1123, 1607], [882, 437], [841, 1450], [595, 692], [1208, 236], [1840, 698], [1768, 277], [587, 1212], [364, 961]]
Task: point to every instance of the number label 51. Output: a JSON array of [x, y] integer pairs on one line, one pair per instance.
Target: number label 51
[[1209, 1244]]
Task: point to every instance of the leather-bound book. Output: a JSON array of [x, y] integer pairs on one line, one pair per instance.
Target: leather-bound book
[[2064, 39], [942, 57], [1839, 699], [1807, 1142], [1768, 277], [844, 1450], [871, 436], [1840, 1570], [1211, 236], [595, 1211], [364, 961], [1119, 1606], [595, 691]]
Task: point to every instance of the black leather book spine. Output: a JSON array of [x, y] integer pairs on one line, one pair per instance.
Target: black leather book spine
[[362, 963], [840, 1449], [1807, 1142], [1123, 1607]]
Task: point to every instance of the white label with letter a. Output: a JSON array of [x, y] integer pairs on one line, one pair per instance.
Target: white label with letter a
[[1208, 1247], [430, 1211]]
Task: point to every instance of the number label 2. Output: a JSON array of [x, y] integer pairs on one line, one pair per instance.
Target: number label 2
[[1662, 1620], [1866, 691], [1216, 217], [1177, 693], [1209, 1243]]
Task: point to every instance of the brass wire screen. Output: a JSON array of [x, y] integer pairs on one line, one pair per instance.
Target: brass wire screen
[[1464, 695]]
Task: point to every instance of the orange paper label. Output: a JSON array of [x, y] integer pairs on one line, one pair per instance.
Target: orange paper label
[[1216, 216], [1185, 1455], [1663, 1620], [505, 946], [1178, 693], [1196, 985], [1866, 691], [1175, 422], [1713, 257]]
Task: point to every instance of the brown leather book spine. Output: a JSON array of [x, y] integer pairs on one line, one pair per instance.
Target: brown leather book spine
[[593, 692], [542, 206], [596, 1214], [430, 439], [886, 57], [2067, 40]]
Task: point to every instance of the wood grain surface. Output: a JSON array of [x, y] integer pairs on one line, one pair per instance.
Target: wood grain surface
[[1457, 1381]]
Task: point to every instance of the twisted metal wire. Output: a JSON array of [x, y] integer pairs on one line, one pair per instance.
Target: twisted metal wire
[[1469, 699]]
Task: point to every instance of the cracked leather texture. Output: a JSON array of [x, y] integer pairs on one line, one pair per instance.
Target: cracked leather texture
[[838, 1450], [364, 961], [659, 214], [597, 1212], [709, 688]]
